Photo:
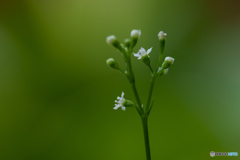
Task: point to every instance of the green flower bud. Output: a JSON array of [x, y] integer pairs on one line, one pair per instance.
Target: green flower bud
[[162, 72], [161, 37], [112, 63], [146, 59], [135, 35], [127, 42], [128, 103], [112, 40], [167, 62]]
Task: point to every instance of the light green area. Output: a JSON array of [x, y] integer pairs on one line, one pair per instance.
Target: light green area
[[57, 93]]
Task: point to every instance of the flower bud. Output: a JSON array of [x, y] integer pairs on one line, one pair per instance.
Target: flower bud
[[161, 71], [112, 40], [135, 34], [127, 42], [167, 62], [128, 103], [161, 35], [165, 71], [146, 59], [112, 63]]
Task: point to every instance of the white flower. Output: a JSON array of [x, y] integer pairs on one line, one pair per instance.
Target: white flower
[[111, 39], [135, 33], [120, 102], [161, 35], [142, 52]]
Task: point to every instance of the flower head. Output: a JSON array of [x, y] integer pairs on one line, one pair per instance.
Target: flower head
[[161, 35], [135, 33], [120, 101], [142, 52]]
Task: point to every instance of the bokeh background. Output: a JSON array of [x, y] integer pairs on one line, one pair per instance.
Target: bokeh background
[[57, 93]]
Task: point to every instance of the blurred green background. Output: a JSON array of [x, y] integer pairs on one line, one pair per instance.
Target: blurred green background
[[57, 94]]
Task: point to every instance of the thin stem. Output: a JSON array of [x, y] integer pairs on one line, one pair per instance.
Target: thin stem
[[150, 68], [150, 92], [136, 94], [159, 60], [120, 70], [162, 46], [146, 138], [131, 79]]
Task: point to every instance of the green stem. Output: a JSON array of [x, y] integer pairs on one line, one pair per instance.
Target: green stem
[[150, 68], [146, 138], [159, 60], [162, 46], [131, 79], [136, 94], [150, 92]]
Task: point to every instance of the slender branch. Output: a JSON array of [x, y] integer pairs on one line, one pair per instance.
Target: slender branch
[[150, 92], [136, 94], [159, 60], [150, 68], [131, 79]]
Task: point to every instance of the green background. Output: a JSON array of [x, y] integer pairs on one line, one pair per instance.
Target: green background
[[57, 94]]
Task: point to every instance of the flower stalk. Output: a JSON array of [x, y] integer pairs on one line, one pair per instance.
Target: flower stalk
[[146, 137], [127, 50]]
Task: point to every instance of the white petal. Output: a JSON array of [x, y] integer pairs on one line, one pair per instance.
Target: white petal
[[122, 95], [149, 50], [136, 54], [123, 108], [142, 50], [116, 107]]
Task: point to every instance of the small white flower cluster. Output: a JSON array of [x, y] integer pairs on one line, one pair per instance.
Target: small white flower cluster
[[142, 52], [120, 101]]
